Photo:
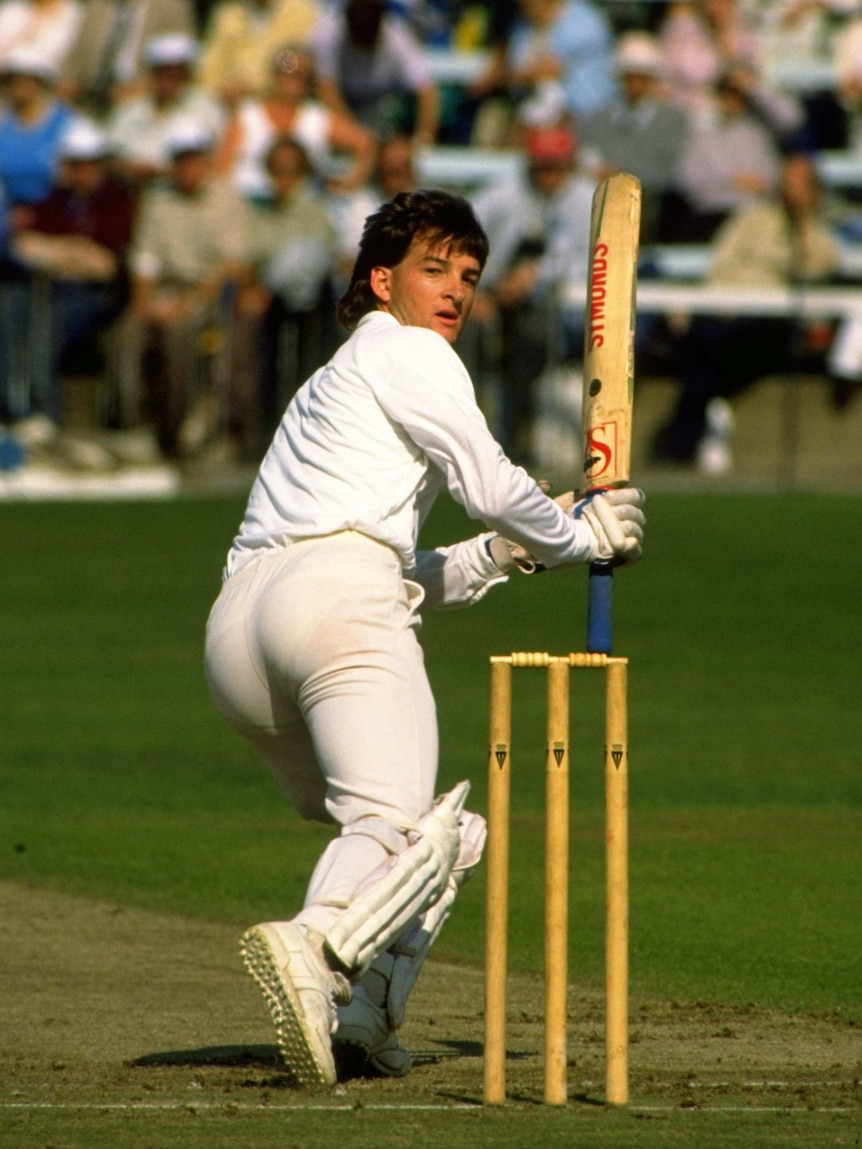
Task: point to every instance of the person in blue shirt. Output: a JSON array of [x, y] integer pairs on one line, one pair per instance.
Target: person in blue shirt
[[567, 45], [31, 126]]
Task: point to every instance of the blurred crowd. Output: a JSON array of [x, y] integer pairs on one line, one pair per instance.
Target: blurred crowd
[[183, 185]]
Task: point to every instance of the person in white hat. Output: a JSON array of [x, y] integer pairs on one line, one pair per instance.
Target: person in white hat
[[31, 125], [191, 240], [639, 132], [139, 128], [106, 64]]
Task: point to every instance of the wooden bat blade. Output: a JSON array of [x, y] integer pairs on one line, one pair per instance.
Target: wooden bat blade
[[610, 331], [609, 349]]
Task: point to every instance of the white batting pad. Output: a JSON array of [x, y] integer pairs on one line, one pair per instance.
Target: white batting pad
[[412, 947], [402, 888]]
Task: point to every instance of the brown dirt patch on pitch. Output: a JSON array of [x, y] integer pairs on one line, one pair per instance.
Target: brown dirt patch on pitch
[[103, 1004]]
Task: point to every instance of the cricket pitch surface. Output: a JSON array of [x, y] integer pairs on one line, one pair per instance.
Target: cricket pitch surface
[[119, 1008]]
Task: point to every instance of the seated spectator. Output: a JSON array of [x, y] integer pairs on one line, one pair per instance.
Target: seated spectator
[[75, 243], [699, 41], [847, 96], [371, 68], [341, 151], [487, 106], [566, 44], [242, 38], [394, 171], [288, 297], [728, 162], [538, 226], [638, 132], [189, 247], [139, 127], [31, 125], [106, 64], [772, 243], [45, 27]]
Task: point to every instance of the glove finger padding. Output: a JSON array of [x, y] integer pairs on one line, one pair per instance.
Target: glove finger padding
[[510, 556], [616, 519]]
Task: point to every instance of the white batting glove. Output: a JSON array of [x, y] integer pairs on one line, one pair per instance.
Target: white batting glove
[[617, 521], [509, 556], [614, 517]]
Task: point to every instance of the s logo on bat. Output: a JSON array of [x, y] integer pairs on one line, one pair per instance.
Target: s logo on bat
[[601, 450]]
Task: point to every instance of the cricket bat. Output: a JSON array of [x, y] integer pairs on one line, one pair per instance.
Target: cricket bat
[[609, 368]]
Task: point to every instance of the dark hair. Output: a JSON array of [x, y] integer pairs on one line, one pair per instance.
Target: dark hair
[[437, 216], [280, 143], [364, 19]]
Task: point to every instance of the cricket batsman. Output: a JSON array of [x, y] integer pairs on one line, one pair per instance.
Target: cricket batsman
[[312, 647]]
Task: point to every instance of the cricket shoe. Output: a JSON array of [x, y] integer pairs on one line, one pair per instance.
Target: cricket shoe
[[364, 1044], [301, 991]]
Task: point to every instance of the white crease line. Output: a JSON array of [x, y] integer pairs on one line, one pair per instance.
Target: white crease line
[[168, 1106], [179, 1106], [772, 1084], [745, 1108]]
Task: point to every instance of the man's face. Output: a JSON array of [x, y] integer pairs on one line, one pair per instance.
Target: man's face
[[168, 80], [287, 168], [548, 179], [83, 176], [433, 286], [190, 171], [637, 86]]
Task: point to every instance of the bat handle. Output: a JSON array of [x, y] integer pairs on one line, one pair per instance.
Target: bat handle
[[600, 613]]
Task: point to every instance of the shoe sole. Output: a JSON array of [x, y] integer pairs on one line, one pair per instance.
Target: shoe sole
[[295, 1042]]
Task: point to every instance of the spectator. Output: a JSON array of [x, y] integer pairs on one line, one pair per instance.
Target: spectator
[[699, 43], [76, 244], [189, 247], [31, 126], [288, 302], [639, 132], [728, 162], [242, 38], [45, 27], [394, 171], [139, 127], [848, 90], [772, 243], [566, 44], [341, 151], [538, 227], [371, 67], [106, 64], [487, 96]]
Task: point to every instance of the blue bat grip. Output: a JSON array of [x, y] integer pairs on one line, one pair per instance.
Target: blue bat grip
[[600, 612]]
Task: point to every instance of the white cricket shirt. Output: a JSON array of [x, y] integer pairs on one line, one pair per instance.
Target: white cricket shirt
[[370, 439]]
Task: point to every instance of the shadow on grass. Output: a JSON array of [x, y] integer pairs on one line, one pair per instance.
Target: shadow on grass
[[261, 1056]]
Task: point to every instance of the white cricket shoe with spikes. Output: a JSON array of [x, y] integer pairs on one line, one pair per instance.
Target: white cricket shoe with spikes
[[302, 993]]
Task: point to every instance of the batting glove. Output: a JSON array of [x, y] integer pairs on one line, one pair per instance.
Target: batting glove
[[617, 521], [509, 556], [614, 517]]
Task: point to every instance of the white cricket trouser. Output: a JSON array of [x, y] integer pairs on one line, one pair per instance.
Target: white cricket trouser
[[312, 655]]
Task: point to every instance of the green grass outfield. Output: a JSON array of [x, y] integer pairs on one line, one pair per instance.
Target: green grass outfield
[[120, 781]]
